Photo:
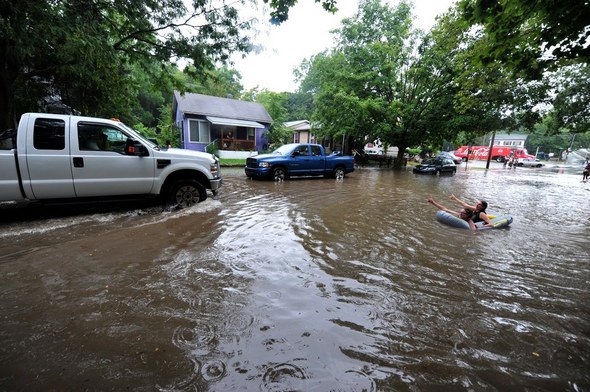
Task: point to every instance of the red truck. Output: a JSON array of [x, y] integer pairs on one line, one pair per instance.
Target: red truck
[[499, 153]]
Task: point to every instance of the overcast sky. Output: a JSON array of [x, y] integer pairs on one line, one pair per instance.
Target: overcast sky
[[305, 33]]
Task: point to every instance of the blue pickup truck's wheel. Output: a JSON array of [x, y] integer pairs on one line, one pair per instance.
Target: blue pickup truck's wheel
[[339, 172], [279, 173], [186, 193]]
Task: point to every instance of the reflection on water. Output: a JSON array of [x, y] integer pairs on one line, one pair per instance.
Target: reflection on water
[[308, 285]]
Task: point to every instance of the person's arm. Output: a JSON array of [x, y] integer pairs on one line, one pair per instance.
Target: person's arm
[[440, 206], [484, 217], [471, 224], [463, 204]]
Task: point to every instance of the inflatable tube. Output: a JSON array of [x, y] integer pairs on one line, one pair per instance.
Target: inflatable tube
[[453, 220]]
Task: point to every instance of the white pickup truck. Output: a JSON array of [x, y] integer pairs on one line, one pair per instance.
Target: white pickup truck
[[54, 156]]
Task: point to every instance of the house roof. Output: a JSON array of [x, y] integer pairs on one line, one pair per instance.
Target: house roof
[[299, 125], [511, 136], [208, 105]]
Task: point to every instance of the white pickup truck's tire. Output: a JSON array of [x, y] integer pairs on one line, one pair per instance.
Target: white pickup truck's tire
[[186, 193]]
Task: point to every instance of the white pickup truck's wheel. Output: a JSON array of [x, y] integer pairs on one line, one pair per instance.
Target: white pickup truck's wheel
[[187, 193]]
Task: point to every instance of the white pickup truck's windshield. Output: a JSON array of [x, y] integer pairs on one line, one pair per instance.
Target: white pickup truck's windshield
[[139, 136]]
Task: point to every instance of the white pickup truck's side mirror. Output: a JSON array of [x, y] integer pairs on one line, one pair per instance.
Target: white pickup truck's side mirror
[[133, 147]]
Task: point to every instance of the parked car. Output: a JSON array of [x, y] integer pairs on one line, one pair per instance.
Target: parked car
[[449, 154], [529, 162], [438, 165]]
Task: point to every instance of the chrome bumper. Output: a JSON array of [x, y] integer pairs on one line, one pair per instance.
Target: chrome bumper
[[216, 184]]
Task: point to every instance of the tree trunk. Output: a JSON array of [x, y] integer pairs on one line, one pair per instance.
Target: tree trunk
[[9, 72], [6, 106], [400, 161]]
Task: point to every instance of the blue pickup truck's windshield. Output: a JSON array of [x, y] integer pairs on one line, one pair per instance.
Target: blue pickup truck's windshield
[[284, 150]]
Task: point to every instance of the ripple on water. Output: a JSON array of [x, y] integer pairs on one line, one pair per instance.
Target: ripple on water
[[187, 384], [355, 381], [197, 340], [213, 370], [283, 377], [237, 322]]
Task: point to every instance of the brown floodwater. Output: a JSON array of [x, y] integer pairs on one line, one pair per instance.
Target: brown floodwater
[[304, 285]]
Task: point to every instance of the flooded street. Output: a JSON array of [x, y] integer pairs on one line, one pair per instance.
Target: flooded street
[[304, 285]]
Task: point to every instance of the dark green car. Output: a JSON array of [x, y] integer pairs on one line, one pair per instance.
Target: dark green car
[[438, 165]]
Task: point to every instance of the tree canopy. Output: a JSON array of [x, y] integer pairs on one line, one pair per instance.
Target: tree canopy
[[487, 65], [543, 51], [529, 37], [281, 8], [383, 80], [571, 101], [386, 79], [95, 56]]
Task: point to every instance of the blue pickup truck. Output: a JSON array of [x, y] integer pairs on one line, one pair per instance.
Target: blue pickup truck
[[298, 159]]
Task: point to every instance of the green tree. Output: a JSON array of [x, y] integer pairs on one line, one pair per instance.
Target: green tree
[[299, 106], [381, 81], [281, 8], [488, 97], [525, 60], [548, 139], [218, 82], [529, 37], [153, 89], [571, 105], [82, 51], [85, 54], [168, 133], [275, 104]]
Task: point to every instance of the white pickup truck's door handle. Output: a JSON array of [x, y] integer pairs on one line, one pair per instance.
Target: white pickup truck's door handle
[[78, 162]]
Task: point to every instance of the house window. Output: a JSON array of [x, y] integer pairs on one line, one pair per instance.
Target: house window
[[296, 137], [199, 131], [251, 133]]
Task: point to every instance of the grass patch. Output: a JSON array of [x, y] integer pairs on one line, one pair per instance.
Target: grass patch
[[232, 162]]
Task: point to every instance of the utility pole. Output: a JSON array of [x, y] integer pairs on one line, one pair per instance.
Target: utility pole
[[490, 150]]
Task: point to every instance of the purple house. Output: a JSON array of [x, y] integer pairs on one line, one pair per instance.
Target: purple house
[[227, 124]]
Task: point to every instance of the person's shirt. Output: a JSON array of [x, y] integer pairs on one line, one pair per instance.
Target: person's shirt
[[91, 145], [476, 217]]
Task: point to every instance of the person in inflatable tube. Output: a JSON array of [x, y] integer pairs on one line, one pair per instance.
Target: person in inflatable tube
[[464, 213], [478, 210]]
